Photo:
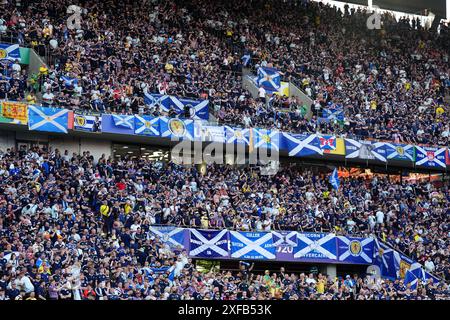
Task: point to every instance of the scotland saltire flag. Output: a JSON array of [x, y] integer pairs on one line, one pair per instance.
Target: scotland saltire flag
[[387, 259], [404, 152], [208, 243], [237, 135], [355, 250], [330, 114], [48, 119], [83, 122], [316, 246], [269, 139], [334, 179], [411, 279], [252, 245], [198, 109], [157, 100], [172, 236], [284, 238], [269, 79], [430, 157], [419, 272], [9, 52], [123, 121], [175, 128], [301, 144], [146, 126], [68, 81], [366, 150]]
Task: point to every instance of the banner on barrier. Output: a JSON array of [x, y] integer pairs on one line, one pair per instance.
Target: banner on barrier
[[48, 119], [301, 144], [355, 250], [252, 245], [13, 112], [317, 246], [366, 150], [430, 157], [90, 123], [208, 243], [121, 124]]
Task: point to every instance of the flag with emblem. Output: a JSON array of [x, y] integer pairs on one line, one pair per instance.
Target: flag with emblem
[[208, 243], [252, 245], [174, 128], [269, 79], [315, 246], [301, 144], [331, 144], [48, 119], [404, 152], [146, 126], [172, 236], [90, 123], [268, 139], [10, 52], [430, 157], [13, 112], [237, 135], [355, 250]]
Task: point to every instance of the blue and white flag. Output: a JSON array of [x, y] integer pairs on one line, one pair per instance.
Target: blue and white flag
[[158, 100], [176, 129], [316, 246], [237, 135], [123, 121], [146, 126], [430, 157], [208, 243], [366, 150], [333, 114], [301, 144], [198, 109], [245, 59], [68, 81], [269, 79], [10, 52], [387, 259], [334, 179], [268, 139], [252, 245], [88, 123], [172, 236], [355, 250], [411, 279], [284, 238], [48, 119], [405, 152], [419, 272]]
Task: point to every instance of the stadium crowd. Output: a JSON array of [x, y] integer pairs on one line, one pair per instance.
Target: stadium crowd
[[391, 82], [75, 227]]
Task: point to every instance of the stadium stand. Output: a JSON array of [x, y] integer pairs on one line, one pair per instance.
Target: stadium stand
[[79, 228]]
